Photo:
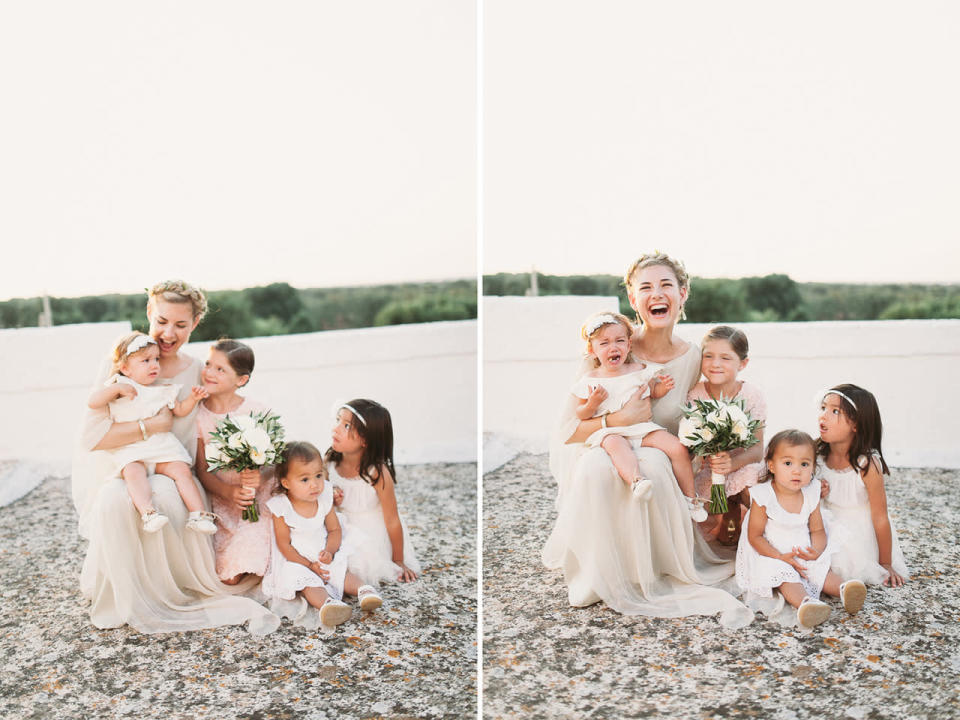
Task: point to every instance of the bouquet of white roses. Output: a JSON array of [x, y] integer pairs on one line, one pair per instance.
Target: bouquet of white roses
[[245, 442], [713, 426]]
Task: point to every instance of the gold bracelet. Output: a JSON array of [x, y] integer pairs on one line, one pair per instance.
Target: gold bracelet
[[143, 429]]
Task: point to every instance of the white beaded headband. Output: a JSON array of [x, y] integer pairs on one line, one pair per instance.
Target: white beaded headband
[[139, 343], [837, 392], [358, 416], [599, 321]]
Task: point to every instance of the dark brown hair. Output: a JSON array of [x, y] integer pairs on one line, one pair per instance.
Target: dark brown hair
[[239, 355], [376, 430], [303, 452], [864, 413], [792, 438], [736, 338]]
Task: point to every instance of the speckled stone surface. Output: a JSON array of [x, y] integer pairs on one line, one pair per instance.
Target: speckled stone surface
[[899, 658], [416, 657]]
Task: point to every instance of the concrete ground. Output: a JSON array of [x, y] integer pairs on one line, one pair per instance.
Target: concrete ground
[[897, 659], [414, 658]]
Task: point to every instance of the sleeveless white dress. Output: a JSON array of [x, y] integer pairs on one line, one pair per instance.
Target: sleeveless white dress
[[848, 505], [638, 558], [619, 390], [758, 574], [308, 535], [371, 558], [161, 447], [154, 582]]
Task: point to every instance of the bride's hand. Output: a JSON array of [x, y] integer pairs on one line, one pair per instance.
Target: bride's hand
[[636, 410], [160, 423]]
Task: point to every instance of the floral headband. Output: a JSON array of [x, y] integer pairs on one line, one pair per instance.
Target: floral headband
[[598, 322], [837, 392], [138, 343]]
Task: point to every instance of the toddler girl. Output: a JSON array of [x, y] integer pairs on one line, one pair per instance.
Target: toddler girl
[[242, 547], [785, 546], [361, 466], [850, 463], [606, 389], [306, 540], [132, 396], [724, 355]]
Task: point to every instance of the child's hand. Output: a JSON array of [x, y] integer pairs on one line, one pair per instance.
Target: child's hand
[[337, 496], [790, 559], [199, 392], [250, 478], [824, 488], [406, 574], [807, 553], [597, 395], [319, 570], [893, 580], [325, 557], [667, 382], [242, 495], [720, 463], [126, 391]]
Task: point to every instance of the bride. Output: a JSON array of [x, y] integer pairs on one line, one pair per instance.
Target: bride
[[164, 581], [638, 558]]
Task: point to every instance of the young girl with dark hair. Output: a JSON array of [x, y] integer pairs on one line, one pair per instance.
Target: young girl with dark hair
[[242, 547], [850, 463], [360, 462]]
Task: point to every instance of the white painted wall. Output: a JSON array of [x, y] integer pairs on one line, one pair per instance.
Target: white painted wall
[[424, 374], [531, 348]]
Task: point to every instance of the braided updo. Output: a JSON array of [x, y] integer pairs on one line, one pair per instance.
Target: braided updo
[[178, 291]]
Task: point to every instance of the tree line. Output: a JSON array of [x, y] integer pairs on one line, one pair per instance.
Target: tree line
[[770, 298], [275, 309]]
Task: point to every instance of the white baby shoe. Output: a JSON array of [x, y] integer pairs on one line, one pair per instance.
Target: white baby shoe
[[695, 507], [153, 521], [852, 595], [641, 488], [334, 612], [369, 599], [202, 522], [812, 612]]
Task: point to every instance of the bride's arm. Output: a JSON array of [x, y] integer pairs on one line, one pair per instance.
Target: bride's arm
[[124, 433], [636, 410]]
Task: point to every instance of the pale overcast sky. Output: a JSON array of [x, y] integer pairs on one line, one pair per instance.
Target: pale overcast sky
[[817, 139], [235, 143]]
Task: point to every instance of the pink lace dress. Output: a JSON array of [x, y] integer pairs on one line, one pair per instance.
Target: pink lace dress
[[241, 546], [748, 475]]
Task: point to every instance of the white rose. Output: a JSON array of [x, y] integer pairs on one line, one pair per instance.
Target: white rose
[[244, 422], [712, 419], [740, 430], [737, 415], [724, 412], [687, 429], [214, 453], [258, 439], [235, 441], [257, 457], [706, 434]]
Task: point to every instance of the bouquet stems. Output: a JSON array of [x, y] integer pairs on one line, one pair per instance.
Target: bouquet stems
[[250, 513], [718, 494]]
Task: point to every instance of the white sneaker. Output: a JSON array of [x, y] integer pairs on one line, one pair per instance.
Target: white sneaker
[[695, 507], [852, 595], [369, 599], [812, 612], [641, 488], [334, 612], [201, 522], [153, 521]]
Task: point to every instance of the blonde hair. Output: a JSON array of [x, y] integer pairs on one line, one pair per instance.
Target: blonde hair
[[659, 258], [120, 350], [589, 334], [178, 291]]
